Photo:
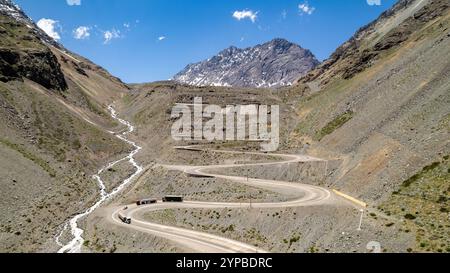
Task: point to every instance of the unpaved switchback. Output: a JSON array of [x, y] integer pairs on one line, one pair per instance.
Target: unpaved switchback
[[308, 195]]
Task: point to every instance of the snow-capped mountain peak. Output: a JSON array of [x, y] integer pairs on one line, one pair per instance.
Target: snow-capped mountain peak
[[273, 64]]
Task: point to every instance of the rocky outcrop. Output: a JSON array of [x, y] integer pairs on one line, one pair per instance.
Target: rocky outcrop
[[24, 50], [273, 64], [364, 48], [41, 67]]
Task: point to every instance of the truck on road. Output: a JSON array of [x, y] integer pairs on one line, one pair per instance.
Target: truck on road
[[146, 202], [125, 219], [173, 198]]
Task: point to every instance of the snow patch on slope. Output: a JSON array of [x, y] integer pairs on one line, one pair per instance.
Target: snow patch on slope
[[274, 64]]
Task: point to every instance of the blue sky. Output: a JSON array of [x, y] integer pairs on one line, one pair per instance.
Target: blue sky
[[149, 40]]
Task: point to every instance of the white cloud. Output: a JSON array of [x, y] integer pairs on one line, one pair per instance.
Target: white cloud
[[110, 35], [374, 2], [49, 26], [305, 8], [127, 25], [81, 33], [245, 14], [162, 38], [74, 2], [284, 14]]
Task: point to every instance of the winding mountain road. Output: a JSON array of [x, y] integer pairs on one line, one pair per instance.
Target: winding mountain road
[[306, 195], [202, 242]]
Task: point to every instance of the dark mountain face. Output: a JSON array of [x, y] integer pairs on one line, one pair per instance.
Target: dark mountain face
[[23, 53], [389, 31], [273, 64]]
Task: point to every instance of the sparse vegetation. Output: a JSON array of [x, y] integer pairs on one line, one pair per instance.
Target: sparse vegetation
[[423, 200], [335, 124], [28, 155], [313, 249], [13, 32], [417, 176], [294, 239]]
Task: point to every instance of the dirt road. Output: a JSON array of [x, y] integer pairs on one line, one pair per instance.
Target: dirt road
[[203, 242]]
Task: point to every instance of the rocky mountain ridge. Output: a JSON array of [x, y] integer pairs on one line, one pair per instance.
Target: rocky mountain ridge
[[273, 64]]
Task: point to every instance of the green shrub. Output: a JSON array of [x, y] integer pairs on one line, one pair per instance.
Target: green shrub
[[335, 124]]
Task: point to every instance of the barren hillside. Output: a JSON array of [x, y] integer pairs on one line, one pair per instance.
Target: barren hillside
[[380, 105], [53, 137], [378, 110], [372, 122]]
